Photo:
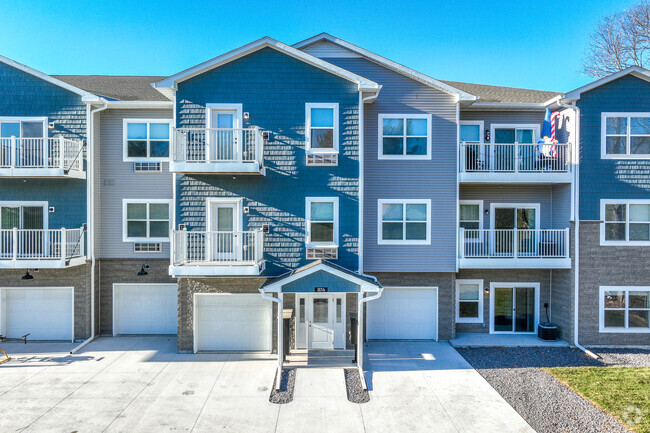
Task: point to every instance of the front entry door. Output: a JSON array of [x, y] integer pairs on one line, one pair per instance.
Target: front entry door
[[320, 321], [223, 238], [514, 309], [224, 142]]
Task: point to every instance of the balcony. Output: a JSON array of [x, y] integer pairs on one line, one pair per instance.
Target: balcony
[[33, 249], [41, 157], [217, 150], [514, 249], [502, 163], [200, 253]]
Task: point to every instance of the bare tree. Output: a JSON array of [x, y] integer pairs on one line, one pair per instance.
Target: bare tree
[[619, 41]]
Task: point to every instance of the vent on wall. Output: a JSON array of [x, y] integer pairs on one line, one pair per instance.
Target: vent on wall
[[327, 253], [325, 159], [145, 247], [147, 167]]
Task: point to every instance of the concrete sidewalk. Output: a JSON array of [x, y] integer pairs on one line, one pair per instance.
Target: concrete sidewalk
[[141, 384]]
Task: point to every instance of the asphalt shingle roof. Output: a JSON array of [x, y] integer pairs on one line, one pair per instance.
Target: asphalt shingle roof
[[316, 263], [488, 93], [118, 87]]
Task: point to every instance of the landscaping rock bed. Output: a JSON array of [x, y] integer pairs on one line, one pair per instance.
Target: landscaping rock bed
[[624, 357], [287, 383], [544, 402], [356, 393]]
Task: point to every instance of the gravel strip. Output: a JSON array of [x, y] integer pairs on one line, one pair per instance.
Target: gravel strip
[[545, 403], [284, 395], [356, 393], [624, 357]]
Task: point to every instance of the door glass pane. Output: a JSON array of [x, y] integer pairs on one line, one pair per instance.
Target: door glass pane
[[504, 221], [33, 217], [339, 309], [503, 309], [32, 129], [10, 217], [525, 309], [504, 218], [301, 310], [525, 219], [321, 310], [525, 136], [504, 136], [10, 129], [225, 221], [224, 120]]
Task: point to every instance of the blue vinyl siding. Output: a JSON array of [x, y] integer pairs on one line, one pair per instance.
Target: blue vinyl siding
[[610, 178], [274, 88], [23, 94]]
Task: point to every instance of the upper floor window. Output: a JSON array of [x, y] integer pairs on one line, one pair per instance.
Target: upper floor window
[[471, 132], [146, 220], [625, 135], [404, 222], [19, 127], [146, 140], [322, 221], [624, 309], [404, 136], [470, 217], [625, 222], [322, 128]]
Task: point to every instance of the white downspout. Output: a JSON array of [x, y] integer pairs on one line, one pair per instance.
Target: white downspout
[[576, 213], [362, 301], [90, 175], [279, 301]]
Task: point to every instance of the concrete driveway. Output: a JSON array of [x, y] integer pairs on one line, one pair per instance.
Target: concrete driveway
[[140, 384]]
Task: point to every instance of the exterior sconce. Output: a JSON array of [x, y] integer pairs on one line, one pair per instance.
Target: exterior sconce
[[486, 290]]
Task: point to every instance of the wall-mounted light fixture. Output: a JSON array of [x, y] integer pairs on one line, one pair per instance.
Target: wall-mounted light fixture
[[487, 135], [486, 290], [27, 276], [246, 115], [487, 211], [143, 271]]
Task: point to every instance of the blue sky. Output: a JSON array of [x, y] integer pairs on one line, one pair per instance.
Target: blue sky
[[535, 44]]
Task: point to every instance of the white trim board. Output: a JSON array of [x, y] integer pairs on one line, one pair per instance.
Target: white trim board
[[632, 70], [389, 64]]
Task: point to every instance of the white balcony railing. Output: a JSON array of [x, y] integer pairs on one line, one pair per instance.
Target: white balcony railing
[[514, 243], [41, 153], [217, 150], [41, 246], [212, 248], [514, 158]]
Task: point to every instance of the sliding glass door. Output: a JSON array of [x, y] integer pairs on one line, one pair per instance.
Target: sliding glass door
[[514, 308], [31, 236], [522, 217]]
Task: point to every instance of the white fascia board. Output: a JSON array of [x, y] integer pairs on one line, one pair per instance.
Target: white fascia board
[[363, 285], [637, 71], [140, 104], [171, 82], [401, 69], [86, 96]]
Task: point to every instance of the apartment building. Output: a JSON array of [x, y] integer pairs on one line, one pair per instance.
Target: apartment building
[[330, 184]]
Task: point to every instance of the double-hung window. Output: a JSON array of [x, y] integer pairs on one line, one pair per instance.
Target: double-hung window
[[470, 218], [146, 220], [322, 128], [469, 301], [471, 134], [146, 140], [404, 222], [625, 135], [404, 136], [625, 222], [624, 309], [322, 222]]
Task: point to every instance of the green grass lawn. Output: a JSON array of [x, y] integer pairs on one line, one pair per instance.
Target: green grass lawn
[[623, 392]]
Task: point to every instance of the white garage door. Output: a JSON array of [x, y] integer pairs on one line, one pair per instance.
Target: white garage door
[[403, 314], [44, 313], [144, 309], [233, 322]]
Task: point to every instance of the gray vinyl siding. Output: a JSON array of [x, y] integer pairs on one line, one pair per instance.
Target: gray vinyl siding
[[541, 194], [507, 117], [118, 181], [433, 179], [560, 206]]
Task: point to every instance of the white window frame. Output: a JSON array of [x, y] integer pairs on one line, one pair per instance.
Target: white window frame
[[478, 319], [515, 126], [21, 119], [478, 203], [627, 203], [601, 309], [308, 203], [336, 120], [43, 204], [125, 237], [603, 136], [125, 154], [381, 241], [404, 116]]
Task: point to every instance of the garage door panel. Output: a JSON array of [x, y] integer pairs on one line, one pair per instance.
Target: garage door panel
[[403, 314], [145, 309], [233, 322], [44, 313]]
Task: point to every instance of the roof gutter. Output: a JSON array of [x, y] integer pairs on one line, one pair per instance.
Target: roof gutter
[[139, 104]]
